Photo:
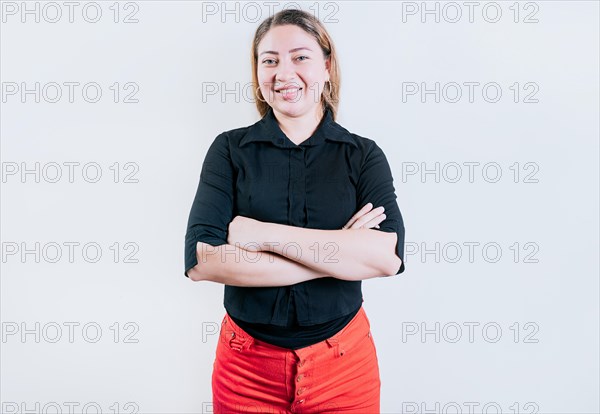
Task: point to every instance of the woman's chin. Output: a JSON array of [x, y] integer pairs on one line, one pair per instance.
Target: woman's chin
[[291, 108]]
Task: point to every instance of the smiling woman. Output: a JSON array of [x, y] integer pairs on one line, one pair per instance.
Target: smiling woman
[[283, 217], [301, 80]]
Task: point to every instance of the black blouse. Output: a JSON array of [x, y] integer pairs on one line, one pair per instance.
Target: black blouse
[[258, 172]]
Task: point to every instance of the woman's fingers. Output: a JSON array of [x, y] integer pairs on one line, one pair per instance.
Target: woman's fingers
[[374, 222], [366, 218], [358, 214], [361, 212]]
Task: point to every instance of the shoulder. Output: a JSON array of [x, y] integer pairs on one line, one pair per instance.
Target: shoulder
[[232, 137], [237, 137], [224, 145], [364, 143], [365, 146], [368, 155], [361, 144]]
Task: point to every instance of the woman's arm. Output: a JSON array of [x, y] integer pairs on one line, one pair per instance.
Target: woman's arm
[[231, 265], [353, 254]]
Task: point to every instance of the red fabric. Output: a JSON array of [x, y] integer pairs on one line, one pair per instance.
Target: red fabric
[[337, 375]]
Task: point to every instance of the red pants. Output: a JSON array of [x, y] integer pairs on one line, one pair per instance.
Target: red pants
[[337, 375]]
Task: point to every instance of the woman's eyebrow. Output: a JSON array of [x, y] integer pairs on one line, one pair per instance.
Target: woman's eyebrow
[[291, 51]]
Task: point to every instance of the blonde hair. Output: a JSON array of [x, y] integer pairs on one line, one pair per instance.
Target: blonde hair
[[312, 26]]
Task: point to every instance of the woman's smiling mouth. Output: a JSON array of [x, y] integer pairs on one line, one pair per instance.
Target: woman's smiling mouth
[[289, 93]]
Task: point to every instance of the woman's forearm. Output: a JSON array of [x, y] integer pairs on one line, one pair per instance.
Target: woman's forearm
[[353, 254], [234, 266]]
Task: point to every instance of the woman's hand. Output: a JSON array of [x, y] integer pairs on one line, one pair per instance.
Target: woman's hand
[[366, 218]]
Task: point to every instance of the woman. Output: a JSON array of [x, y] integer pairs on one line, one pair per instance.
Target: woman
[[270, 221]]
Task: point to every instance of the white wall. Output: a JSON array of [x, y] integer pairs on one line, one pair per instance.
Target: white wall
[[533, 310]]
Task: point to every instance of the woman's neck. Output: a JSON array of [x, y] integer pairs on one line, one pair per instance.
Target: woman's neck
[[299, 129]]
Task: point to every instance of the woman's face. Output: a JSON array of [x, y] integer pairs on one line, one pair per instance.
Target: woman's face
[[291, 71]]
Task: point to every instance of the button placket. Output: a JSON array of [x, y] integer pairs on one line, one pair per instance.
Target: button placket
[[301, 375], [297, 188]]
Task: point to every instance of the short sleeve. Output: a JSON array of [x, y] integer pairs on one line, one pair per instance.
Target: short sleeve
[[376, 185], [212, 209]]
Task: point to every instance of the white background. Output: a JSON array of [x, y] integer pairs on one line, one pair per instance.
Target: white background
[[544, 300]]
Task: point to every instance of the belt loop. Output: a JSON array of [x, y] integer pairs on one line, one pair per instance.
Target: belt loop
[[334, 343], [238, 341]]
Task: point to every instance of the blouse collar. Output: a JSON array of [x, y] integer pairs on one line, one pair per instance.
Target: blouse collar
[[267, 129]]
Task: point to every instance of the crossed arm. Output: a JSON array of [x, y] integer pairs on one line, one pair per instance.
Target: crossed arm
[[269, 254]]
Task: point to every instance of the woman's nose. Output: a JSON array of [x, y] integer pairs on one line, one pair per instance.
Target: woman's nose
[[286, 75]]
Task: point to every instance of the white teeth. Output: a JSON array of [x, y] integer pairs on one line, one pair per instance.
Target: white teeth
[[288, 90]]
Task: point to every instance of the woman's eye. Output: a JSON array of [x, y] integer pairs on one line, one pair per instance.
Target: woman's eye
[[272, 61]]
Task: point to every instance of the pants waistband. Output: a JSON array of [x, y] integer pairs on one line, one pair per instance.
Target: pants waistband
[[350, 334]]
